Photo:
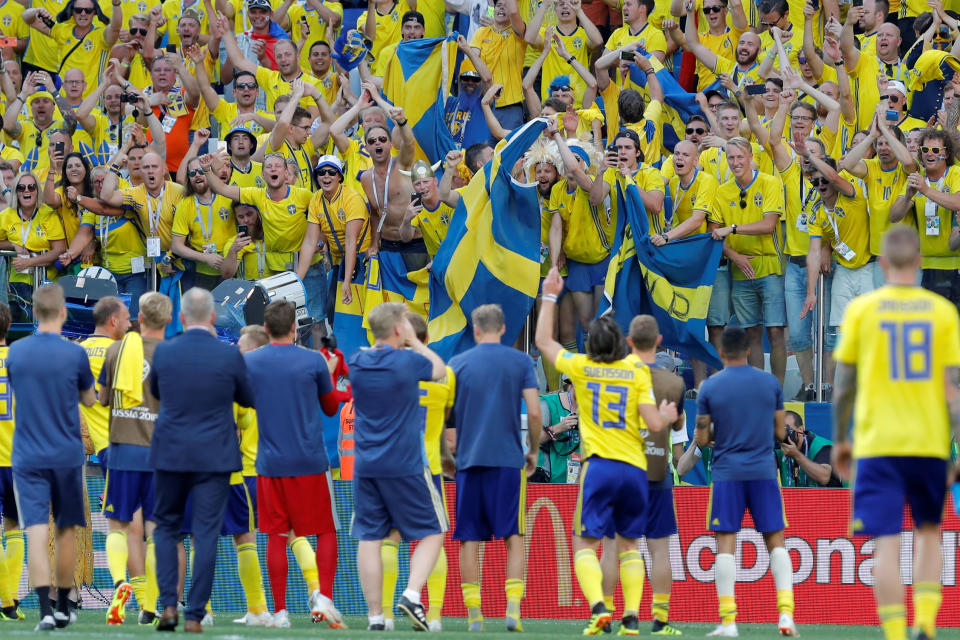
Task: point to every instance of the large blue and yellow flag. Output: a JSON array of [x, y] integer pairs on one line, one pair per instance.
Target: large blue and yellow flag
[[418, 78], [491, 253], [679, 105], [672, 283]]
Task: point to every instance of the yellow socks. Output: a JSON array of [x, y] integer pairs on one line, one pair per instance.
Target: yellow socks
[[632, 575], [471, 600], [589, 574], [6, 596], [436, 586], [117, 554], [248, 566], [785, 601], [139, 584], [728, 610], [608, 603], [14, 561], [514, 590], [151, 591], [660, 608], [926, 604], [782, 569], [389, 551], [893, 621], [307, 560]]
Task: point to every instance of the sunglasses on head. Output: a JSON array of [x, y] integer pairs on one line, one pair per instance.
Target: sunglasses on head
[[194, 172], [933, 149], [138, 31], [561, 88], [708, 10], [696, 130], [380, 139], [26, 187], [743, 199], [245, 85], [764, 23], [327, 171], [88, 10], [819, 182]]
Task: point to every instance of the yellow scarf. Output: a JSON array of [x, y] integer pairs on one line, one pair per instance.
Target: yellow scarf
[[128, 376]]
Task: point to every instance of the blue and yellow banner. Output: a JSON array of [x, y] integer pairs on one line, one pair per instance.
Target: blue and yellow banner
[[492, 250], [672, 283]]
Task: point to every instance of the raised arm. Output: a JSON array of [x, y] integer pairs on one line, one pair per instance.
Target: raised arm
[[530, 92], [210, 97], [469, 52], [34, 17], [11, 124], [808, 47], [496, 129], [112, 30], [706, 57], [234, 54], [851, 55], [852, 160], [532, 35], [279, 134], [216, 184], [445, 189], [407, 144]]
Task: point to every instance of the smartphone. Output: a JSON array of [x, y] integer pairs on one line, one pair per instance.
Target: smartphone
[[893, 115], [756, 89], [8, 42], [243, 230], [628, 55], [416, 199], [58, 147], [221, 146], [857, 3], [497, 94], [490, 11], [612, 148], [171, 48], [815, 4], [48, 21]]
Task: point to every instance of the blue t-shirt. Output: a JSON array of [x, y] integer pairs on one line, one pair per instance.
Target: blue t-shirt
[[742, 401], [47, 373], [388, 419], [489, 383], [287, 383]]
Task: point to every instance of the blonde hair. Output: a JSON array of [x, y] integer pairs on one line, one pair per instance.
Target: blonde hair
[[741, 143], [384, 317], [156, 310]]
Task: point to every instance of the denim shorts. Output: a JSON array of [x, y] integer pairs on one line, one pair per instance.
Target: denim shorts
[[718, 313], [759, 301]]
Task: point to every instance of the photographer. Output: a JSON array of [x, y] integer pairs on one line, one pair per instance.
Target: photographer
[[803, 459], [560, 438]]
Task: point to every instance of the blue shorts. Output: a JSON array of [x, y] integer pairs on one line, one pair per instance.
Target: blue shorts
[[720, 309], [8, 499], [661, 511], [759, 302], [438, 483], [729, 499], [127, 491], [612, 500], [882, 486], [41, 492], [491, 503], [241, 514], [102, 457], [584, 277], [409, 504]]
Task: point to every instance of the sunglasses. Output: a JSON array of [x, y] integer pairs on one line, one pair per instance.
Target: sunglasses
[[87, 10], [245, 85], [743, 199], [561, 88], [327, 172], [26, 187], [892, 99], [708, 10], [819, 182], [380, 139], [763, 23], [138, 31], [696, 130], [194, 172], [933, 149], [801, 59], [469, 79]]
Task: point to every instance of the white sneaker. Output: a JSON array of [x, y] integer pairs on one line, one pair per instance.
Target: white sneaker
[[281, 619], [787, 626], [322, 609], [256, 619], [388, 624], [207, 620], [435, 626], [724, 631]]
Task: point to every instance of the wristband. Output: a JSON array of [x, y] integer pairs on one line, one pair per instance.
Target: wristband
[[402, 124], [548, 297], [838, 63], [733, 229], [571, 59], [650, 72], [665, 237]]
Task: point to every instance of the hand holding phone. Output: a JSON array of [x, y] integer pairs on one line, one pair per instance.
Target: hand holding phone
[[243, 230], [756, 89]]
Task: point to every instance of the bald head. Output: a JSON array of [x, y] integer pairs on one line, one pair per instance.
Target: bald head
[[686, 147], [73, 74]]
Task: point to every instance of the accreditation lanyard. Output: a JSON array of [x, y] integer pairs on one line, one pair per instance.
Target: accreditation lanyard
[[682, 190], [25, 230], [154, 214], [205, 230], [103, 230], [381, 210]]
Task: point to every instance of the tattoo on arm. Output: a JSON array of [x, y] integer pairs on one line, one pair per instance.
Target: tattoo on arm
[[844, 393]]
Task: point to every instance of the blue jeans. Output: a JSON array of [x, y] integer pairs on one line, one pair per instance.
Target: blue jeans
[[795, 292], [134, 284], [315, 284]]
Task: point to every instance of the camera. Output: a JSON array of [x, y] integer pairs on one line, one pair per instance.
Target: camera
[[131, 98], [628, 55]]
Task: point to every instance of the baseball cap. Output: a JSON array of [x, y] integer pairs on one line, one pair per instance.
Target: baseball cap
[[192, 14], [253, 138], [896, 85], [416, 16], [712, 92], [259, 4], [329, 161]]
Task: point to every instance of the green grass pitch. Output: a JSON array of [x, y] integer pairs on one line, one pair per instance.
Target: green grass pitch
[[92, 627]]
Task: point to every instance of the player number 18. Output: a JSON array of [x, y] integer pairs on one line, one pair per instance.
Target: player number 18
[[909, 344]]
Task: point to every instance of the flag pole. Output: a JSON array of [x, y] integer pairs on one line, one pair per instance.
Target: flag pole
[[818, 371]]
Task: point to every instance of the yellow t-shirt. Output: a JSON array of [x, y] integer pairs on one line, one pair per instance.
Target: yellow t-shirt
[[284, 223], [696, 196], [318, 28], [154, 215], [901, 339], [6, 410], [502, 52], [103, 140], [173, 9], [388, 27], [42, 50], [273, 86], [799, 198], [251, 178], [90, 57], [650, 38], [302, 157], [347, 205], [724, 45], [648, 179], [120, 240], [610, 428], [34, 144], [740, 77], [34, 235], [251, 259], [764, 195], [206, 227], [435, 398], [97, 416], [433, 225], [588, 230], [577, 44], [247, 424], [846, 224], [882, 189], [934, 225], [226, 112]]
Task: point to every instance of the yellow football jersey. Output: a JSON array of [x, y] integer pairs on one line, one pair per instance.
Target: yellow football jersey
[[845, 227], [882, 186], [284, 223], [253, 177], [6, 410], [588, 229], [648, 179], [764, 195], [226, 112], [206, 227], [120, 240], [503, 52], [97, 417], [433, 225], [34, 235], [247, 424], [154, 214], [799, 198], [577, 44], [347, 205], [609, 395], [436, 398], [696, 196], [901, 339], [934, 223]]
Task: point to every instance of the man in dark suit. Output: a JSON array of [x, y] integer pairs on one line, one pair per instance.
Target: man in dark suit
[[194, 449]]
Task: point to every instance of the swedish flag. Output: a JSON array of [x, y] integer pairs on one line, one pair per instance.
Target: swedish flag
[[491, 252], [417, 78], [672, 283], [679, 105]]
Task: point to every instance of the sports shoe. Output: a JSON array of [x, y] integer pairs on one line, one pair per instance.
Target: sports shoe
[[787, 626], [20, 614], [47, 623], [376, 627], [322, 610], [414, 611], [475, 625], [435, 626], [116, 613], [806, 393], [61, 619], [281, 619], [263, 619], [665, 629], [147, 618], [600, 619], [629, 626], [514, 624], [725, 631], [388, 624], [206, 620]]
